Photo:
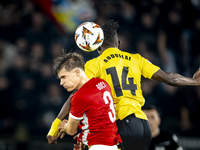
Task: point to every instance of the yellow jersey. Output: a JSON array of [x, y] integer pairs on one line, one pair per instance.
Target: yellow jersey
[[123, 73]]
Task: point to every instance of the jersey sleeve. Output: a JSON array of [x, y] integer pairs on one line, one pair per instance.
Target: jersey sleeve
[[147, 68], [78, 106], [92, 69]]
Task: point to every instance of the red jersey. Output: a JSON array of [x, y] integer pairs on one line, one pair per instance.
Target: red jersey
[[93, 105]]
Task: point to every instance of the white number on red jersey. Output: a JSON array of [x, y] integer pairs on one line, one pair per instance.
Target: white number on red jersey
[[108, 99]]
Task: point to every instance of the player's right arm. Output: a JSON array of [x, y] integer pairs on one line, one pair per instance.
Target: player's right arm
[[51, 136], [176, 79]]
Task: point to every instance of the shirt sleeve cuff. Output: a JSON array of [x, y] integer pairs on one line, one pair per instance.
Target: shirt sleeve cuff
[[74, 117]]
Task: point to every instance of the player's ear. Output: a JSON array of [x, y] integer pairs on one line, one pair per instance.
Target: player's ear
[[119, 44], [99, 50], [77, 71]]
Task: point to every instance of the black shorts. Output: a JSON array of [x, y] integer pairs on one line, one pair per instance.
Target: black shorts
[[135, 133]]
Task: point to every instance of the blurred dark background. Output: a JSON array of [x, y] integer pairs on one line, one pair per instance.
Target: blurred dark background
[[33, 32]]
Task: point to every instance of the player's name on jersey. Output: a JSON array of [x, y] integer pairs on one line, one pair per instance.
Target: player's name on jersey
[[111, 56]]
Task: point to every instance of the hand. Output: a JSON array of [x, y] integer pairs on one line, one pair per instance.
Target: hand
[[51, 139], [79, 145], [61, 129]]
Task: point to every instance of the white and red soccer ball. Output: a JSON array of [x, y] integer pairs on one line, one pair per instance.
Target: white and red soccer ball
[[89, 36]]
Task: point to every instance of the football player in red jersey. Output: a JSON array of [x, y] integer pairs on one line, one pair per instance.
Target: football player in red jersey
[[92, 108]]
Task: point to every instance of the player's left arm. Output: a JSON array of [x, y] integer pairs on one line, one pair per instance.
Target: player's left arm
[[154, 72], [176, 79]]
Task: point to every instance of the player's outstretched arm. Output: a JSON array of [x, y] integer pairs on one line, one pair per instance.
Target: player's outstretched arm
[[176, 79]]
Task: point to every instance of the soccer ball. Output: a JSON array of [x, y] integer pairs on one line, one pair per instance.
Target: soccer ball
[[89, 36]]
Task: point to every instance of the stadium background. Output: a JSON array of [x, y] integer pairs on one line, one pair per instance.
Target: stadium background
[[33, 32]]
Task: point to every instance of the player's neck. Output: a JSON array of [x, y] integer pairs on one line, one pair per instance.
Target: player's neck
[[83, 80], [104, 48]]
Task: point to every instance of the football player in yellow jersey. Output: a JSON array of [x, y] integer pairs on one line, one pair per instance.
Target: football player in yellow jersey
[[123, 72]]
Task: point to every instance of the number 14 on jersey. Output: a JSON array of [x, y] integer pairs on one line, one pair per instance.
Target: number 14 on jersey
[[116, 84]]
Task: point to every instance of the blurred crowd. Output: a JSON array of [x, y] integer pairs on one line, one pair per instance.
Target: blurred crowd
[[167, 32]]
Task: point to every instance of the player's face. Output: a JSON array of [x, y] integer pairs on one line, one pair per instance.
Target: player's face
[[69, 79], [154, 119]]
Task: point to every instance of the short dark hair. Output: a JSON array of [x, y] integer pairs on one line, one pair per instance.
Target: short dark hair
[[69, 61], [152, 107], [110, 30]]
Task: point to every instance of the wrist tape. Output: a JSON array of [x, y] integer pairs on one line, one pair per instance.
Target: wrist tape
[[54, 127]]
